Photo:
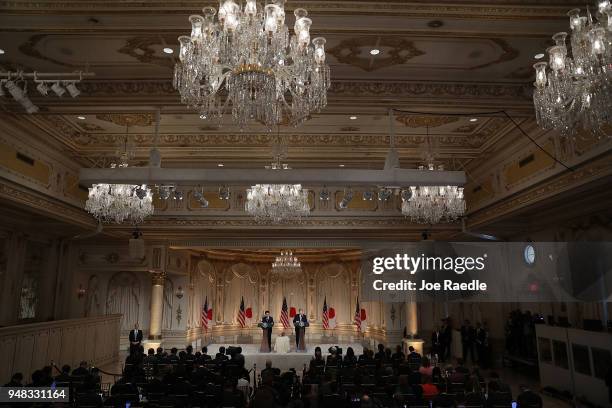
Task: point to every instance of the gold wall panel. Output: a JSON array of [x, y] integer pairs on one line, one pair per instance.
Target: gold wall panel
[[476, 194], [357, 203], [515, 173], [36, 171], [72, 188]]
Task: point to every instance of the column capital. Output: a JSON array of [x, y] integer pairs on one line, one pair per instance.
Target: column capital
[[157, 278]]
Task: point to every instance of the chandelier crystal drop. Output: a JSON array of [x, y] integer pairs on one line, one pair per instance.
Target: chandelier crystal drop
[[286, 264], [118, 203], [433, 204], [277, 203], [246, 57], [574, 89]]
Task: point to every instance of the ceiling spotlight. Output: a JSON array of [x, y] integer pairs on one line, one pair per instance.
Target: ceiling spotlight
[[1, 51], [15, 91], [474, 120], [57, 88], [539, 56], [168, 50], [348, 197], [42, 89], [199, 196], [224, 193], [324, 194], [81, 117], [375, 51], [178, 195], [341, 165], [384, 194], [220, 165], [72, 89], [353, 117], [368, 195]]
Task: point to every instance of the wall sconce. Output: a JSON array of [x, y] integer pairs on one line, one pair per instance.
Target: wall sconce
[[180, 292], [81, 292]]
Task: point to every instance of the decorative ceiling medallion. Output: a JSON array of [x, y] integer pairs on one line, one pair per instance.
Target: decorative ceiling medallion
[[355, 52], [414, 122], [127, 119], [141, 48]]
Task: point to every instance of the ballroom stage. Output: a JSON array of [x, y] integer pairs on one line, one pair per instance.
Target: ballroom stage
[[283, 361]]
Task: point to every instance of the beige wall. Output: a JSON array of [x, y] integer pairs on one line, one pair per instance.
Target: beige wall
[[28, 347]]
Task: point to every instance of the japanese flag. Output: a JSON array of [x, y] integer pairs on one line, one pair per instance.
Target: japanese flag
[[332, 318]]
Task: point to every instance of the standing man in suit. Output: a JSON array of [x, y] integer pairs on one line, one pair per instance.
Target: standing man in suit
[[436, 342], [135, 339], [269, 321], [300, 321]]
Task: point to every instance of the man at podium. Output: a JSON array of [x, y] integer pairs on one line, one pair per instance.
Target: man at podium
[[267, 322], [300, 321]]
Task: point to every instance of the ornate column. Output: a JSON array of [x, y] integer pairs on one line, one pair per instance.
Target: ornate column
[[157, 305], [158, 276], [412, 323]]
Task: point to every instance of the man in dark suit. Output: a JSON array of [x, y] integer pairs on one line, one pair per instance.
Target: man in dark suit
[[135, 339], [269, 321], [436, 342], [300, 317]]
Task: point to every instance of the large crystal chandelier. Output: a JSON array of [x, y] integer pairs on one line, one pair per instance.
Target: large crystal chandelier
[[277, 203], [432, 204], [286, 264], [118, 203], [574, 89], [248, 58]]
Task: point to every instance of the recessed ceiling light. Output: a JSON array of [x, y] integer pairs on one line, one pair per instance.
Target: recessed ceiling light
[[353, 117], [220, 165], [474, 120], [81, 117], [1, 51], [168, 50], [374, 51], [539, 56], [341, 165]]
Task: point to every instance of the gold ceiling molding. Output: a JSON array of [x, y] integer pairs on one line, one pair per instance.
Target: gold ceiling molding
[[127, 119], [415, 121], [521, 9], [355, 52], [508, 54], [29, 48]]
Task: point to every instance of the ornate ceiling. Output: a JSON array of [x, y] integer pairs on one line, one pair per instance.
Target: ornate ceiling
[[448, 56]]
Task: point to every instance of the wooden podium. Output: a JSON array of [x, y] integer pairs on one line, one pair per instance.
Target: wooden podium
[[266, 331], [300, 332]]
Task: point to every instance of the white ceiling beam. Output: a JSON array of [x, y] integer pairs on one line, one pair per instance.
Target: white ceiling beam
[[308, 177]]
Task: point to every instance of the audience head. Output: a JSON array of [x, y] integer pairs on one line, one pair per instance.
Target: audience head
[[268, 363], [189, 349], [65, 369], [204, 350], [350, 352], [222, 350], [160, 350], [83, 364], [151, 352], [238, 350], [17, 378], [381, 347], [173, 350]]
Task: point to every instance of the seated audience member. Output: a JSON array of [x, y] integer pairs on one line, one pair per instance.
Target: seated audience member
[[220, 356], [270, 369], [265, 396], [205, 356], [82, 370], [380, 354], [332, 358], [159, 355], [173, 357], [388, 356], [238, 357], [436, 375], [37, 379], [364, 357], [528, 399], [150, 358], [64, 376], [16, 381], [350, 359], [429, 389], [413, 358], [189, 354], [426, 369], [399, 354], [317, 360]]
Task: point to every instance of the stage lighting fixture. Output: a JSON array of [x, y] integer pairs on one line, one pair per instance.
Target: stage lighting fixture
[[72, 89], [199, 195], [42, 89], [324, 194], [406, 195], [57, 88], [384, 194], [15, 91], [368, 195], [178, 195], [348, 197], [29, 106], [224, 193]]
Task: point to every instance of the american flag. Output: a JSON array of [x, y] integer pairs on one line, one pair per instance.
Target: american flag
[[357, 320], [325, 315], [241, 313], [284, 317], [205, 315]]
